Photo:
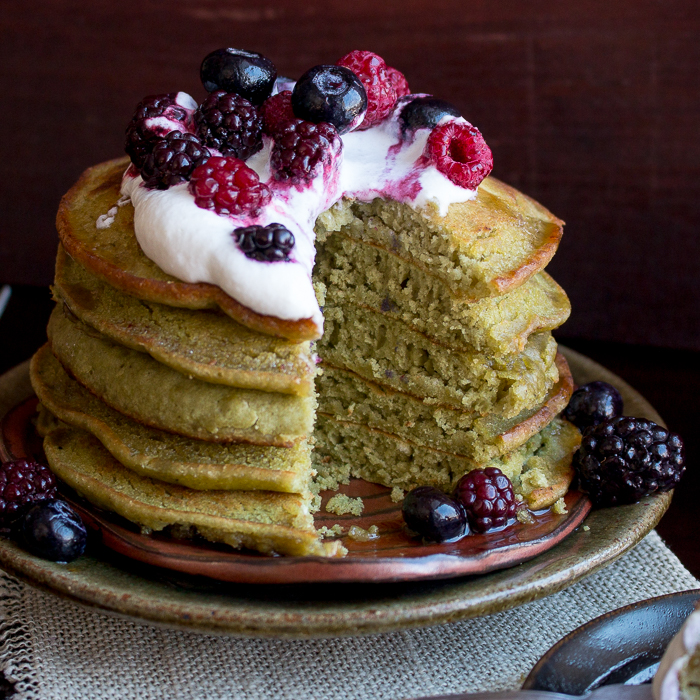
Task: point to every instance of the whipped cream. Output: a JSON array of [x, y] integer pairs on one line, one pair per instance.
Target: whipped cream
[[197, 245]]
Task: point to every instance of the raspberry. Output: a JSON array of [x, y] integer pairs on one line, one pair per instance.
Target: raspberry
[[228, 186], [381, 92], [142, 133], [301, 148], [270, 243], [398, 82], [459, 151], [623, 459], [22, 484], [229, 123], [172, 160], [488, 498], [276, 112]]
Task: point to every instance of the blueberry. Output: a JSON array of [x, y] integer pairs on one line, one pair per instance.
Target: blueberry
[[53, 530], [332, 94], [425, 113], [246, 73], [593, 403], [434, 515]]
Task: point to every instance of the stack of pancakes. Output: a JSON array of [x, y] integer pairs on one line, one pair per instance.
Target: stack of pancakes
[[176, 407]]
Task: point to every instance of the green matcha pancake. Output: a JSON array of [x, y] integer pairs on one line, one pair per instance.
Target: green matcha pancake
[[352, 272], [197, 464], [205, 344], [384, 350], [156, 395], [483, 247], [540, 469], [114, 254], [273, 523], [348, 397]]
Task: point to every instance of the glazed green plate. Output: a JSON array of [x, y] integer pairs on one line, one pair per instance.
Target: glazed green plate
[[115, 584]]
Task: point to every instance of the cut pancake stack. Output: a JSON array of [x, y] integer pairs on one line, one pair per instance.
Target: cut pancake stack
[[437, 355], [174, 406]]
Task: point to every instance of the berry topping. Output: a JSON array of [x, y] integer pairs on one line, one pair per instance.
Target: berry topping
[[229, 123], [331, 94], [434, 515], [22, 484], [270, 243], [172, 160], [398, 82], [301, 148], [593, 403], [228, 186], [488, 498], [53, 530], [623, 459], [246, 73], [276, 112], [459, 151], [425, 113], [381, 93], [143, 129]]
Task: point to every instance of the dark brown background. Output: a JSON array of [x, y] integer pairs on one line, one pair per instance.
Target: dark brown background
[[591, 106]]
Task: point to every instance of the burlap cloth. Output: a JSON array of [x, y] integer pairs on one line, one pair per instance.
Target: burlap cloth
[[52, 648]]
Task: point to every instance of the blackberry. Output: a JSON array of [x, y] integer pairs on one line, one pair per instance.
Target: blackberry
[[22, 484], [247, 73], [229, 123], [228, 186], [425, 112], [172, 160], [434, 515], [300, 150], [271, 243], [53, 530], [141, 135], [331, 94], [488, 497], [593, 403], [623, 459]]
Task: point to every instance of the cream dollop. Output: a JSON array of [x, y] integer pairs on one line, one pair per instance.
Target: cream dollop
[[198, 245]]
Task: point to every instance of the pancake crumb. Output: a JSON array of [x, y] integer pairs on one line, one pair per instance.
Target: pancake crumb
[[560, 507], [334, 531], [397, 494], [341, 504]]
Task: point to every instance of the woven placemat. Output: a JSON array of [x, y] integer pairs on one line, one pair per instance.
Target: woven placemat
[[52, 648]]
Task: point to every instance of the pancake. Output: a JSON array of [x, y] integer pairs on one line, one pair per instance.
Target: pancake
[[348, 271], [540, 469], [346, 396], [483, 247], [385, 351], [204, 344], [273, 523], [156, 395], [150, 452]]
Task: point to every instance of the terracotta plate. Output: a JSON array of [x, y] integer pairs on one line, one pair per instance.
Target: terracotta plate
[[622, 646], [109, 581]]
